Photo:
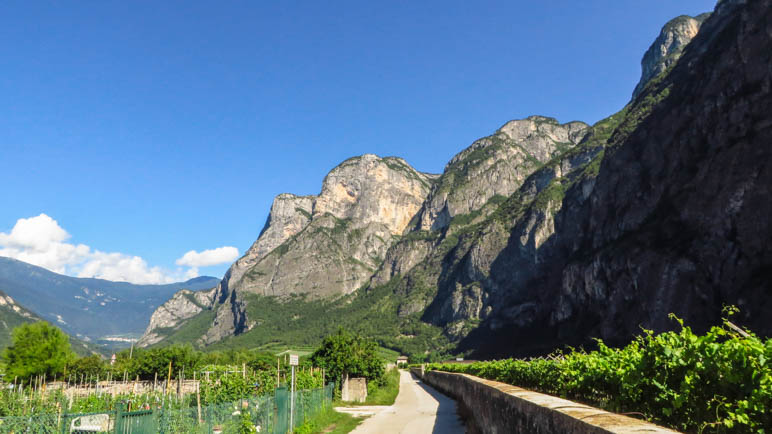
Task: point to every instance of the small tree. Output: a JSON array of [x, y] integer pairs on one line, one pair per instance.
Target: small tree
[[38, 348], [352, 354], [145, 363], [92, 366]]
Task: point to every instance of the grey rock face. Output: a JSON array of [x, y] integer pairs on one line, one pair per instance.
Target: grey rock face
[[676, 219], [289, 215], [330, 244], [184, 304], [326, 245], [667, 48], [496, 166]]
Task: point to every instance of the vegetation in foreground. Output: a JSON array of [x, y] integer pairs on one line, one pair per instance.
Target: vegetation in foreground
[[331, 422], [41, 354], [351, 354], [717, 382], [385, 392]]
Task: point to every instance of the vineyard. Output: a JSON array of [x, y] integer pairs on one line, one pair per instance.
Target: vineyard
[[717, 382], [175, 389], [224, 396]]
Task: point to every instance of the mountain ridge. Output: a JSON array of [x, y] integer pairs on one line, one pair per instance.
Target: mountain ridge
[[520, 270], [87, 308]]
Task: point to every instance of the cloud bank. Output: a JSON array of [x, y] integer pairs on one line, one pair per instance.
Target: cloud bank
[[41, 241], [220, 255]]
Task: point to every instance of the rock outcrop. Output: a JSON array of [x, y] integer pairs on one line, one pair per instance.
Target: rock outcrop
[[495, 166], [326, 245], [183, 305], [667, 48]]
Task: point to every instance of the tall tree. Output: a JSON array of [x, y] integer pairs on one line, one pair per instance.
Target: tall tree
[[38, 348], [344, 353]]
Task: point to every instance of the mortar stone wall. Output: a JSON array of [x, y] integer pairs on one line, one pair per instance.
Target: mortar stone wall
[[498, 408]]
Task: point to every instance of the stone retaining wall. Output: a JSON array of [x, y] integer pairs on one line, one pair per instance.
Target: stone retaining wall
[[497, 408]]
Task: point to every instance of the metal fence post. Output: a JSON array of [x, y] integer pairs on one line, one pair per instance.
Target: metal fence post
[[209, 423], [117, 428]]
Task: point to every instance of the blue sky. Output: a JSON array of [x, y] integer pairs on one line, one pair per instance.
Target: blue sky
[[147, 129]]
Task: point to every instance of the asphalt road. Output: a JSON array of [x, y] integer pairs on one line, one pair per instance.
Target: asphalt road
[[418, 409]]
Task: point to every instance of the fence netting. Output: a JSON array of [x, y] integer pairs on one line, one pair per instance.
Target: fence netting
[[268, 414]]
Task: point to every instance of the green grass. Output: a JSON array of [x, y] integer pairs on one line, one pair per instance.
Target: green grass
[[386, 393], [330, 421]]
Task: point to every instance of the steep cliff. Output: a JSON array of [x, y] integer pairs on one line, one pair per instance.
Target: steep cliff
[[496, 166], [326, 245], [677, 219], [171, 315], [667, 48], [541, 234]]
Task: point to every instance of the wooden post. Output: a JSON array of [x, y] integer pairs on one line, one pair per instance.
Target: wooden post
[[198, 400], [155, 381], [169, 378], [179, 385], [243, 370]]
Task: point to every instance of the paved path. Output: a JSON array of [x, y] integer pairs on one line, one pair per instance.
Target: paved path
[[418, 409]]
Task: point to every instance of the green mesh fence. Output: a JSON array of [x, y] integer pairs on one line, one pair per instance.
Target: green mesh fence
[[269, 414], [309, 403]]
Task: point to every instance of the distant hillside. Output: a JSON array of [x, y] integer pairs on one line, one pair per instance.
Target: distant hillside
[[88, 308], [13, 315]]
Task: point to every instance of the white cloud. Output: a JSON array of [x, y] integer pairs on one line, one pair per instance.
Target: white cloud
[[120, 267], [41, 241], [220, 255]]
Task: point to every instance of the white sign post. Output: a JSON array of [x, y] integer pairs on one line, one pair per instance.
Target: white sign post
[[293, 363]]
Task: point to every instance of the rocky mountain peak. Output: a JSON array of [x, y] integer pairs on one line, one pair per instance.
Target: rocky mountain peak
[[668, 47], [496, 166], [325, 245], [369, 189]]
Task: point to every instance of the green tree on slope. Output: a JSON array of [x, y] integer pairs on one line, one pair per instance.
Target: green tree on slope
[[38, 348]]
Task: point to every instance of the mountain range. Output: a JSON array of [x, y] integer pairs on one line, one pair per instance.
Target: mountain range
[[539, 235], [89, 309]]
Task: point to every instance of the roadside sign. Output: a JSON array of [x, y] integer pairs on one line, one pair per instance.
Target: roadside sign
[[293, 359]]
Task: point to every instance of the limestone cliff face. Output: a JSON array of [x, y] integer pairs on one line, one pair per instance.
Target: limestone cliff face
[[183, 305], [668, 46], [676, 219], [558, 261], [289, 215], [496, 166], [330, 244], [371, 190], [544, 234], [326, 245]]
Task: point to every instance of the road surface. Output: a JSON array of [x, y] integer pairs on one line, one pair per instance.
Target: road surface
[[418, 409]]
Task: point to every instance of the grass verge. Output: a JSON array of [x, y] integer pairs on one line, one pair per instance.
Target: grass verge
[[330, 422], [386, 392]]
